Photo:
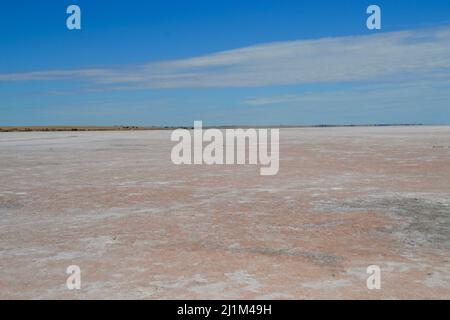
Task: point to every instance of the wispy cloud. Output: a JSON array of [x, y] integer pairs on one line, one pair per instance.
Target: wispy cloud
[[396, 96], [260, 101], [400, 55]]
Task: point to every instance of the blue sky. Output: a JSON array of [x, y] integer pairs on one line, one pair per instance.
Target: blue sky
[[224, 62]]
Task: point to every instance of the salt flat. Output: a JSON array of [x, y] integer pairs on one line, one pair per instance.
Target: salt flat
[[140, 227]]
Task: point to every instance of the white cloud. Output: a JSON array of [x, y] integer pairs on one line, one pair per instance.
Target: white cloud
[[423, 94], [260, 101], [390, 56]]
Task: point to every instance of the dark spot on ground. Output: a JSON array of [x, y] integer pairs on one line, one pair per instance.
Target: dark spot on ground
[[10, 204], [422, 222]]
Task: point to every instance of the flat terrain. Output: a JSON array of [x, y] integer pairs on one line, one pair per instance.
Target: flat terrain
[[140, 227]]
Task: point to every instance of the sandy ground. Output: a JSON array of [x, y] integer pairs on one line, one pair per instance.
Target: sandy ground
[[140, 227]]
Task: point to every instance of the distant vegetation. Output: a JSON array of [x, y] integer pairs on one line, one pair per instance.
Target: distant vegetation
[[130, 128], [72, 128]]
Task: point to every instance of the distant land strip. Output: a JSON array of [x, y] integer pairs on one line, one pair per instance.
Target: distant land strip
[[138, 128]]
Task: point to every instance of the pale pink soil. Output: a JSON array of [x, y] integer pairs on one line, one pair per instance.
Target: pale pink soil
[[140, 227]]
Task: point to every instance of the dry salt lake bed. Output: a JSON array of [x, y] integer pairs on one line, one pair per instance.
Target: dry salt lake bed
[[140, 227]]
